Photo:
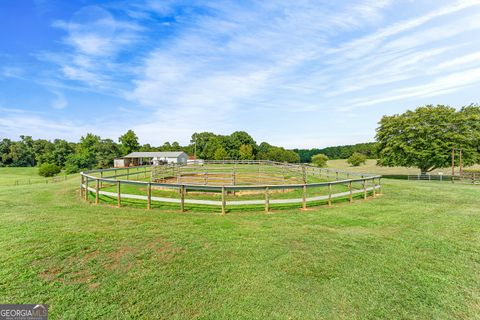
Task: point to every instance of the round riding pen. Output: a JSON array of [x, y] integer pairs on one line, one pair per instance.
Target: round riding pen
[[226, 184]]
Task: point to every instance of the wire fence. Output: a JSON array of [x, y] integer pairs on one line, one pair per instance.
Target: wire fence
[[30, 181]]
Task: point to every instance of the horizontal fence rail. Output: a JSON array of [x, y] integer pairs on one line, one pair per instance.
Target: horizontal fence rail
[[355, 183]]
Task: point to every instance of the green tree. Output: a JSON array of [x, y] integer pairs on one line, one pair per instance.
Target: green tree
[[263, 149], [339, 152], [424, 138], [357, 159], [214, 143], [21, 153], [320, 160], [220, 154], [85, 156], [176, 146], [5, 159], [147, 148], [246, 152], [236, 140], [61, 150], [106, 151], [281, 155], [200, 142], [43, 150], [129, 142]]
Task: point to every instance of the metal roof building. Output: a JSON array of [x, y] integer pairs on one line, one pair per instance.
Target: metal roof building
[[169, 154], [155, 158]]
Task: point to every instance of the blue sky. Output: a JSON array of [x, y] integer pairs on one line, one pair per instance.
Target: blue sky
[[293, 73]]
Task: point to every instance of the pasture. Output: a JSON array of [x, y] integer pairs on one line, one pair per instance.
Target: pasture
[[411, 253], [371, 167]]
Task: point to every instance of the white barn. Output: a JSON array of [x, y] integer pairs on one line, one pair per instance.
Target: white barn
[[155, 158]]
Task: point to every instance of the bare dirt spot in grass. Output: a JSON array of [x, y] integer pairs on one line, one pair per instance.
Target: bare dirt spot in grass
[[164, 248], [69, 278], [93, 286], [64, 272], [117, 258]]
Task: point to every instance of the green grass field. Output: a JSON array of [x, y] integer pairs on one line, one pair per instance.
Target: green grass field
[[412, 253], [371, 167], [27, 175]]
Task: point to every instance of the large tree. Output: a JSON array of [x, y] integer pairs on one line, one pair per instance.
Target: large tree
[[424, 138], [246, 152], [129, 142]]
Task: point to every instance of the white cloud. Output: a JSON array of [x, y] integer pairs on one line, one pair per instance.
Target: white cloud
[[231, 65], [460, 61], [219, 64], [442, 85]]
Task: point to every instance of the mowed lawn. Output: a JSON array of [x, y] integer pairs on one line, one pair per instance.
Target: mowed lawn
[[371, 167], [412, 253]]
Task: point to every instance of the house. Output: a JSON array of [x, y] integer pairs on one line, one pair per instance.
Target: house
[[154, 158]]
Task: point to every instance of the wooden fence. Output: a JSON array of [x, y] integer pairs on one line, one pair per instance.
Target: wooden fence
[[91, 182]]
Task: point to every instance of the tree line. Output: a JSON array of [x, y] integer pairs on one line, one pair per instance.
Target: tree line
[[238, 145], [94, 152], [422, 138], [369, 149]]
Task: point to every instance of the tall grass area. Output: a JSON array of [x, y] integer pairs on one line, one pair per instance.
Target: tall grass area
[[412, 253]]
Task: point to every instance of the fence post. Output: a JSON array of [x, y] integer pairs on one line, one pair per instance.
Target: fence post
[[86, 188], [119, 199], [350, 196], [374, 188], [223, 201], [149, 196], [364, 189], [97, 190], [82, 182], [304, 197], [267, 200], [336, 175], [128, 173], [101, 176], [234, 178], [379, 186], [182, 198], [329, 194]]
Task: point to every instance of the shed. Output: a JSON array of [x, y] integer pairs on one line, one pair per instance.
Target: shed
[[155, 158]]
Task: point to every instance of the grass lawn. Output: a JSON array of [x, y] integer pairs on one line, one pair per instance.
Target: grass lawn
[[8, 176], [371, 167], [412, 253], [27, 175]]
